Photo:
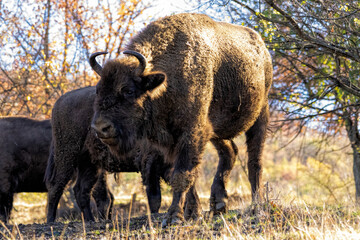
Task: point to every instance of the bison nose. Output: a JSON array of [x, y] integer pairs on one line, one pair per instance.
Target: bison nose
[[103, 128]]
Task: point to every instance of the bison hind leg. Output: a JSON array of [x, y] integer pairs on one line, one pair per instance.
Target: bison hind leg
[[255, 139], [153, 192], [103, 197], [150, 173], [227, 152], [192, 205], [56, 185], [6, 205], [86, 180]]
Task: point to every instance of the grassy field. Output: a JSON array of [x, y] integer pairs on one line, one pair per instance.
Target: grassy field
[[309, 194]]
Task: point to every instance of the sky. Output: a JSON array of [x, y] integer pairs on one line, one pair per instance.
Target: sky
[[166, 7], [163, 8]]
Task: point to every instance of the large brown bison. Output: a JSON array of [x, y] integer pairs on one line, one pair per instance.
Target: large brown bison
[[75, 146], [24, 151], [188, 80]]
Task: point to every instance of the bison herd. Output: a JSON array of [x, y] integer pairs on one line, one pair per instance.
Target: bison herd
[[183, 81]]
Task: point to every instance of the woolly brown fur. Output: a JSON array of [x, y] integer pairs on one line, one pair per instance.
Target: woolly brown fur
[[76, 146], [213, 82]]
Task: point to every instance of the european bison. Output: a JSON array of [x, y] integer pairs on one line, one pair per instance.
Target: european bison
[[24, 145], [75, 145], [24, 151], [188, 80]]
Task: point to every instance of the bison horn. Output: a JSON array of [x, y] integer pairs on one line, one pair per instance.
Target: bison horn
[[94, 64], [141, 59]]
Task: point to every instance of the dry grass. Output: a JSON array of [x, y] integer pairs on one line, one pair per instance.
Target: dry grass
[[269, 220], [310, 195]]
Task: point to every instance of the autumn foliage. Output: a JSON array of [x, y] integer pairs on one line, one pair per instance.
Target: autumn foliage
[[44, 47]]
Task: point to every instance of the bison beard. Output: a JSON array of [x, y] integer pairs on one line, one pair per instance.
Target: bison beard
[[121, 144], [187, 80]]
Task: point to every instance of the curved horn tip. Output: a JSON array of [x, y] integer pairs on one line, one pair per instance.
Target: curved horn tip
[[131, 52], [95, 54], [140, 57], [94, 64]]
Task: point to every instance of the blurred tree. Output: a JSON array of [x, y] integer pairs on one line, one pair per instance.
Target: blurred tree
[[45, 45], [315, 46]]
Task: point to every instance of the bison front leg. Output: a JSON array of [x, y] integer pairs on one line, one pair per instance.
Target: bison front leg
[[227, 152], [255, 138], [183, 178]]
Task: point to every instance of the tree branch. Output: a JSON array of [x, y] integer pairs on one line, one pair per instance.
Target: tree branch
[[335, 49]]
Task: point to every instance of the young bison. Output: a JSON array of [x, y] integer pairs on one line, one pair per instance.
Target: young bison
[[188, 80], [75, 145], [24, 145]]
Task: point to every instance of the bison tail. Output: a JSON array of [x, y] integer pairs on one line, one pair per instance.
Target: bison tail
[[50, 168]]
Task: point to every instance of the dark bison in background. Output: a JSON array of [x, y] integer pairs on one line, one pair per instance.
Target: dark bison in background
[[24, 152], [24, 145], [188, 80], [75, 146]]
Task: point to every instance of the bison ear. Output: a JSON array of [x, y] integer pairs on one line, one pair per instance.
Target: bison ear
[[152, 80]]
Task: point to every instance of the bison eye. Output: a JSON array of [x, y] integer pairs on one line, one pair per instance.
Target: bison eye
[[129, 93]]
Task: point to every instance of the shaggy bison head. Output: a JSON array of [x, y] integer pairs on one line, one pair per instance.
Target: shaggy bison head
[[119, 109]]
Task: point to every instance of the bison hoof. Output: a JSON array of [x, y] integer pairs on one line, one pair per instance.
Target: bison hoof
[[221, 207], [192, 216], [173, 221], [217, 208], [192, 212]]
